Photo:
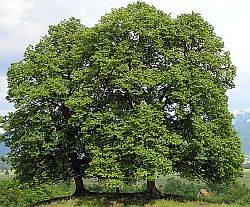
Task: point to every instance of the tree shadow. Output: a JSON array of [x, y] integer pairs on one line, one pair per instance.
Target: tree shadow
[[49, 201], [115, 199]]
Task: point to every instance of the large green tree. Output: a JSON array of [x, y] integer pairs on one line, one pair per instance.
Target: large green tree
[[129, 131], [180, 68], [44, 139], [210, 149], [138, 94]]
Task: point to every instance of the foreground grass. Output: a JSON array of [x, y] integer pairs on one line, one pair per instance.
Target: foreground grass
[[102, 202], [11, 195]]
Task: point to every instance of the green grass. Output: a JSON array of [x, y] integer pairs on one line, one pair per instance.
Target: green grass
[[12, 196], [246, 178], [162, 180], [3, 176], [161, 183], [103, 202]]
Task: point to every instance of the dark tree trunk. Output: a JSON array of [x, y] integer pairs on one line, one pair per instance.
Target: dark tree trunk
[[80, 189], [151, 188], [77, 164], [78, 177], [117, 190]]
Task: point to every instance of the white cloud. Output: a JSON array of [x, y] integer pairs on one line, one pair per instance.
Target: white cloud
[[5, 107], [23, 22], [3, 87], [16, 32]]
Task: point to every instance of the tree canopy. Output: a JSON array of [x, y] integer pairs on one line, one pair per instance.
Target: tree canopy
[[138, 94]]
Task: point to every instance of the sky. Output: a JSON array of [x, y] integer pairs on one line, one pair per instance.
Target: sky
[[24, 22]]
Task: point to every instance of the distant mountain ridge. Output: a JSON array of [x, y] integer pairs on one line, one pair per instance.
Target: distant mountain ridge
[[242, 126], [3, 150], [242, 115]]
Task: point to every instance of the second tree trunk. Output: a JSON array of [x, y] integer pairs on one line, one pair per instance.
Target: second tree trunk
[[151, 187], [80, 189]]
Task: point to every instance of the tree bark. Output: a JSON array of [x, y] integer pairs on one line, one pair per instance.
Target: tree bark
[[150, 185], [76, 165], [151, 188], [75, 160], [80, 189]]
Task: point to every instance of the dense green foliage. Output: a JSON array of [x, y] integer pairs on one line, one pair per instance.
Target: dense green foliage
[[39, 133], [138, 94], [177, 66]]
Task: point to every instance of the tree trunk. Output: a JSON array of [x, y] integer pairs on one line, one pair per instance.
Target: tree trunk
[[75, 163], [80, 189], [151, 188], [117, 190]]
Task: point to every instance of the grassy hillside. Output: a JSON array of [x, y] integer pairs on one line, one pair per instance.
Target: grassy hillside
[[102, 202], [11, 195], [246, 178], [3, 176]]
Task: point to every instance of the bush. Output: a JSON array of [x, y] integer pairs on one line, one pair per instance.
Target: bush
[[245, 200], [95, 188], [186, 189], [230, 194], [12, 194], [126, 188], [133, 188]]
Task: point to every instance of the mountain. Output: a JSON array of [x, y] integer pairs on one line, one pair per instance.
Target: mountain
[[3, 149], [242, 126]]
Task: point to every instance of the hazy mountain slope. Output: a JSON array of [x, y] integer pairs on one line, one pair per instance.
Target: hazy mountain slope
[[3, 149], [242, 125]]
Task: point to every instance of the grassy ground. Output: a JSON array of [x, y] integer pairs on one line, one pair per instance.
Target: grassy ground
[[246, 178], [3, 176], [48, 192], [161, 181], [132, 202], [102, 202]]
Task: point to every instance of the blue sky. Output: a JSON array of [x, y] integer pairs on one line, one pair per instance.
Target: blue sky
[[23, 22]]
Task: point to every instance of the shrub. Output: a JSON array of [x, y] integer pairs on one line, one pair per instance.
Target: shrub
[[186, 189], [245, 200], [230, 194], [12, 194]]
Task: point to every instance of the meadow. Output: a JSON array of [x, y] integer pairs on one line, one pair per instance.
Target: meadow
[[99, 202], [12, 195], [3, 176], [246, 178]]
